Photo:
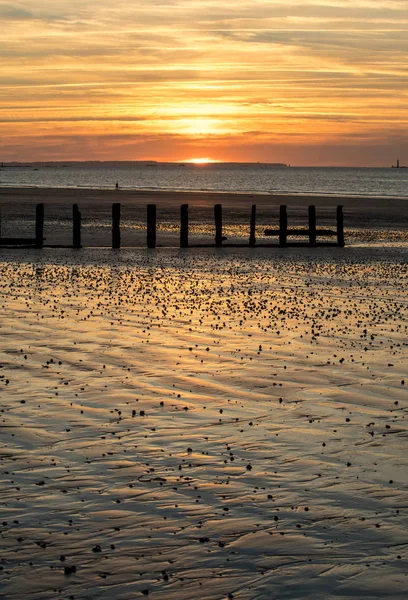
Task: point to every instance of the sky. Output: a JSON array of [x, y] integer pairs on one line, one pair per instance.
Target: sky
[[301, 82]]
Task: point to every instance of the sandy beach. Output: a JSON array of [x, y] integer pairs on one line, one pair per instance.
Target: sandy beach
[[204, 300], [204, 424], [366, 219]]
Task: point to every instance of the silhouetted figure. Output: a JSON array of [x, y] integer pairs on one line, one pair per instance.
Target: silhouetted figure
[[117, 185]]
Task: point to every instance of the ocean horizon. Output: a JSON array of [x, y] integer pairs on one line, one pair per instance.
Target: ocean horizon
[[254, 178]]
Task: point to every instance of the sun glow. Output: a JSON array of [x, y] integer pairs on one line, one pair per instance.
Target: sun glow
[[201, 161], [247, 81]]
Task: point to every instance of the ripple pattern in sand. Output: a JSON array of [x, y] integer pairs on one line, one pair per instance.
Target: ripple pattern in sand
[[203, 425]]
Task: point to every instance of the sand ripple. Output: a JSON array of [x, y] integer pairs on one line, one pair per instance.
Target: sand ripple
[[204, 425]]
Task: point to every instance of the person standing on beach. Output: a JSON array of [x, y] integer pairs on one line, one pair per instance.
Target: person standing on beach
[[117, 185]]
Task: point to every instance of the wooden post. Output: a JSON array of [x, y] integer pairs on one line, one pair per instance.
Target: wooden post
[[283, 225], [252, 238], [116, 225], [218, 224], [151, 226], [184, 226], [76, 227], [312, 225], [39, 225], [340, 229]]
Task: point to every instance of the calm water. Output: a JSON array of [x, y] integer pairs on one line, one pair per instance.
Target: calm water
[[254, 178]]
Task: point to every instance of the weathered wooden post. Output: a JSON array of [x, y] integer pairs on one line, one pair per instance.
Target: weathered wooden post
[[76, 227], [39, 225], [218, 224], [340, 227], [312, 225], [184, 226], [151, 226], [116, 225], [252, 238], [283, 225]]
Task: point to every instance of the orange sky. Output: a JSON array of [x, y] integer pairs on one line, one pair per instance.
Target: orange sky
[[319, 82]]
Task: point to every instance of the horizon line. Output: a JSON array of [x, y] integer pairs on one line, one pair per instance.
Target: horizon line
[[190, 162]]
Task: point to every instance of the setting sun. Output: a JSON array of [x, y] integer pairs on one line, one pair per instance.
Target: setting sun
[[201, 161], [305, 83]]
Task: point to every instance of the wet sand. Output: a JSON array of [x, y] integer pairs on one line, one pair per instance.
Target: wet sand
[[365, 219], [204, 424], [196, 198]]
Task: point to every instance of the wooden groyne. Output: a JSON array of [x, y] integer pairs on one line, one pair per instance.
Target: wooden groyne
[[314, 236], [35, 242]]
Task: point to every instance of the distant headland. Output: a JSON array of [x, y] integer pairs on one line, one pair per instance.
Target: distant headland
[[130, 163]]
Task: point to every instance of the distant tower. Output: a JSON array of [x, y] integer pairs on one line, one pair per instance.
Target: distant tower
[[397, 163]]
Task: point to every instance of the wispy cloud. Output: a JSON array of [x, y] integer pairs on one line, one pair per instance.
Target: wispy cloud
[[186, 72]]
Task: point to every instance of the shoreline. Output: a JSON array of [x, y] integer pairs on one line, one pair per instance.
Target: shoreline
[[40, 194], [206, 192], [366, 219]]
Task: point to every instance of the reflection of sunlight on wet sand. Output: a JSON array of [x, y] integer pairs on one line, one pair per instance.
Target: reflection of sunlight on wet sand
[[235, 417]]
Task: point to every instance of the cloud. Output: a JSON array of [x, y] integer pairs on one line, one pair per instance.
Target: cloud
[[60, 119], [14, 12], [296, 71]]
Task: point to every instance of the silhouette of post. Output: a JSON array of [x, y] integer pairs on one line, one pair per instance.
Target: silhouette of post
[[116, 225], [218, 224], [184, 226], [76, 227], [283, 225], [312, 225], [151, 226], [252, 225], [340, 227], [39, 225]]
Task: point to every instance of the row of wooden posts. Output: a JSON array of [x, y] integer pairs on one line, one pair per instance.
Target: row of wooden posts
[[312, 232]]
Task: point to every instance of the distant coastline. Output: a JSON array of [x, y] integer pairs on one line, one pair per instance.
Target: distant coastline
[[179, 163], [129, 163]]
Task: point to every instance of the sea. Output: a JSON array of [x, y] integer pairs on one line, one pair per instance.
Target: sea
[[254, 178]]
